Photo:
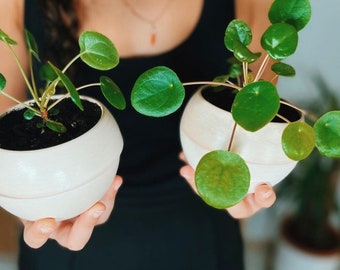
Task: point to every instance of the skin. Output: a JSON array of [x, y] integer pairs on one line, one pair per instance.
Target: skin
[[174, 26]]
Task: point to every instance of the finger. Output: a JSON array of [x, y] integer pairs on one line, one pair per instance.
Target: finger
[[245, 208], [109, 198], [37, 233], [182, 157], [188, 173], [74, 235], [264, 196]]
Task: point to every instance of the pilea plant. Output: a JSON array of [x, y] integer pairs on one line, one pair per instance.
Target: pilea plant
[[159, 92], [96, 50]]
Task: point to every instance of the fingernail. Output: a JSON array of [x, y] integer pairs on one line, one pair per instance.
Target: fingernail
[[46, 229], [97, 213]]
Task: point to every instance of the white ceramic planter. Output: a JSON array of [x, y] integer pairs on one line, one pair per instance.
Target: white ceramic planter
[[291, 257], [61, 181], [205, 127]]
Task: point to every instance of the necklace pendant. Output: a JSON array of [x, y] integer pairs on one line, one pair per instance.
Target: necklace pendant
[[153, 38]]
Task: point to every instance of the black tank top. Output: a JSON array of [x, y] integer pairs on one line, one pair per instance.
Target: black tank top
[[158, 222]]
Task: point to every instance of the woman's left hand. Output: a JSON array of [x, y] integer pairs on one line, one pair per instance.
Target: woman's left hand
[[263, 197]]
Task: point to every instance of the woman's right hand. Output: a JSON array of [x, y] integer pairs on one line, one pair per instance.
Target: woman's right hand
[[75, 233]]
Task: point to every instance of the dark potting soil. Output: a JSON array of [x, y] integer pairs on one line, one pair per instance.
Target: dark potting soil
[[16, 133]]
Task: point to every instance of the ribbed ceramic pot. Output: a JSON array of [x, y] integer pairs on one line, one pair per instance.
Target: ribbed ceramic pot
[[64, 180], [205, 127]]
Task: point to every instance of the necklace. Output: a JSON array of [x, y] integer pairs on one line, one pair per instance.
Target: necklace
[[151, 21]]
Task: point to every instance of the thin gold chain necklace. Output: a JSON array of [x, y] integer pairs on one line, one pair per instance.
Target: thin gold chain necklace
[[152, 22]]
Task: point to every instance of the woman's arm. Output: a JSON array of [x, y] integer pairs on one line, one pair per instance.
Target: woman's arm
[[12, 22]]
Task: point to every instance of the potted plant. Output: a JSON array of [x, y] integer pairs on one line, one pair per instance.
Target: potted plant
[[309, 236], [232, 141], [50, 154]]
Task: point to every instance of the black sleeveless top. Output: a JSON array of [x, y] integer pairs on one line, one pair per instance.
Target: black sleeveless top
[[157, 222]]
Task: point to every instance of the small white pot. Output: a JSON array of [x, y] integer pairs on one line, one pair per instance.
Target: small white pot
[[205, 127], [64, 180], [291, 257]]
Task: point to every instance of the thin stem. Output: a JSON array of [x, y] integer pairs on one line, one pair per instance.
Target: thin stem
[[227, 84], [22, 71], [19, 102], [67, 94], [71, 62], [262, 68], [232, 136], [245, 73]]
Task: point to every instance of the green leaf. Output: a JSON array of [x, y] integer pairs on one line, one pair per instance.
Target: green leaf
[[243, 54], [47, 73], [237, 30], [283, 69], [327, 133], [222, 179], [56, 126], [29, 114], [2, 82], [69, 87], [32, 45], [255, 105], [296, 13], [280, 40], [5, 38], [98, 51], [112, 93], [157, 92], [298, 140]]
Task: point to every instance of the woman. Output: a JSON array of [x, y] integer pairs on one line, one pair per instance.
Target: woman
[[158, 221]]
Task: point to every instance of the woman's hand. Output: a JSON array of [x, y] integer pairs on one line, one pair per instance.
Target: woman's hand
[[263, 197], [72, 234]]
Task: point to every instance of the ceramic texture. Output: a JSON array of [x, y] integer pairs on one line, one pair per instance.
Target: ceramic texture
[[61, 181], [205, 127]]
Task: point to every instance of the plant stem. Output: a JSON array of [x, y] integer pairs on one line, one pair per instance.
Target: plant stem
[[22, 72], [19, 102], [232, 136], [262, 68], [227, 84], [67, 94]]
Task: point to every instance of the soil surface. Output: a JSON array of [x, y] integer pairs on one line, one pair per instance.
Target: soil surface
[[16, 133]]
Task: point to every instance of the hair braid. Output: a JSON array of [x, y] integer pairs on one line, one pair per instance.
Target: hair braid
[[61, 28]]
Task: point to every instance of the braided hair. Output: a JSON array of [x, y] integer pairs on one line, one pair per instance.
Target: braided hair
[[61, 24]]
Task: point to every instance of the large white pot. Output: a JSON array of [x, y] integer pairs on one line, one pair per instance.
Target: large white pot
[[205, 127], [61, 181]]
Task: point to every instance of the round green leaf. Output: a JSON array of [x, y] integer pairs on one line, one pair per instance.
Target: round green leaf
[[296, 13], [327, 133], [29, 114], [255, 105], [157, 92], [2, 82], [298, 140], [280, 40], [237, 30], [222, 179], [112, 93], [98, 51], [243, 54], [283, 69]]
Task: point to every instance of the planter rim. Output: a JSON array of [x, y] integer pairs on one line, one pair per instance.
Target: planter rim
[[29, 152]]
